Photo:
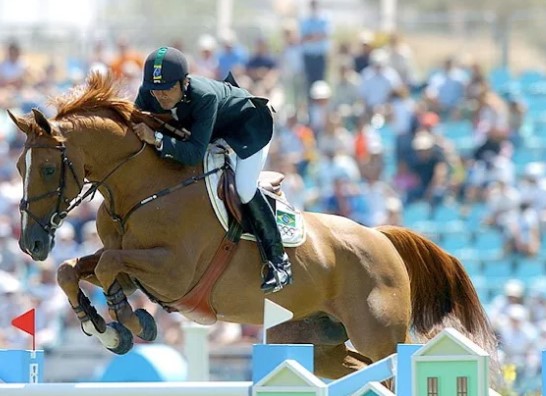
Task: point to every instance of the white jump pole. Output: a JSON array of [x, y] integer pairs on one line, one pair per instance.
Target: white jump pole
[[196, 351], [129, 389]]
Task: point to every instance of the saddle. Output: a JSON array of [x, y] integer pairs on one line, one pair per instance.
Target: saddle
[[227, 192]]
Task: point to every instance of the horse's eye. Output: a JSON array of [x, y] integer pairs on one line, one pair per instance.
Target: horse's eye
[[48, 171]]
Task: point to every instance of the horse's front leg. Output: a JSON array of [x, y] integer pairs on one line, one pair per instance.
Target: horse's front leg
[[69, 274], [137, 263]]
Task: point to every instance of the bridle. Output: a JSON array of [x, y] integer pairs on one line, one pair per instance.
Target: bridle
[[58, 216]]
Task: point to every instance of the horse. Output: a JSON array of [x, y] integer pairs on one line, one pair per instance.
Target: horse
[[376, 287]]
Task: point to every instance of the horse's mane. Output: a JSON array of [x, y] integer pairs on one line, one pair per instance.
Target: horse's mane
[[99, 92]]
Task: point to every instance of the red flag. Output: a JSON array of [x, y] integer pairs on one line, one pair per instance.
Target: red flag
[[26, 322]]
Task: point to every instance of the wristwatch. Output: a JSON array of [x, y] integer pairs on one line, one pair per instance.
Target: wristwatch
[[158, 142]]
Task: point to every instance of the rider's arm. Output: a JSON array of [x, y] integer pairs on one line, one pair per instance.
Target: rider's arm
[[192, 151]]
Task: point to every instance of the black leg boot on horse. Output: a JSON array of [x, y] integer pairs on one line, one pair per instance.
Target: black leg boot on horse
[[279, 272]]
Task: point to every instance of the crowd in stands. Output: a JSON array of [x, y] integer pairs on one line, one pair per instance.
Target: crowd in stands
[[456, 154]]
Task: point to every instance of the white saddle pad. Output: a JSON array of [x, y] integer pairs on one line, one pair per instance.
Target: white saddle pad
[[289, 220]]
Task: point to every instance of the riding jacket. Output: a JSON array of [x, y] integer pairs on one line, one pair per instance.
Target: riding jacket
[[210, 110]]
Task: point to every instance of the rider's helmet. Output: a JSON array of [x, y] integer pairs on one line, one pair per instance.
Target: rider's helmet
[[164, 68]]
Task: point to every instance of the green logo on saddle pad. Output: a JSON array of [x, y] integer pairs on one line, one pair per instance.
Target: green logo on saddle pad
[[286, 219]]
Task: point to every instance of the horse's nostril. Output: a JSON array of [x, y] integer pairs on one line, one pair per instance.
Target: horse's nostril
[[36, 247]]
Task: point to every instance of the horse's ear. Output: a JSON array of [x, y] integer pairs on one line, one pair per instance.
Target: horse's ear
[[22, 123], [42, 121]]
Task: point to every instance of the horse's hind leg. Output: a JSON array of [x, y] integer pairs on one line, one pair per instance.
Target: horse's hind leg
[[332, 359], [380, 322], [336, 361]]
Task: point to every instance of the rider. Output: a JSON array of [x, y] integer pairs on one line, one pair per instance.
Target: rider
[[212, 109]]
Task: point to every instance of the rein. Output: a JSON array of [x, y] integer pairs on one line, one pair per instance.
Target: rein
[[184, 183], [59, 215]]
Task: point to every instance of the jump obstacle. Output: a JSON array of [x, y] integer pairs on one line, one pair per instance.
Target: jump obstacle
[[449, 362]]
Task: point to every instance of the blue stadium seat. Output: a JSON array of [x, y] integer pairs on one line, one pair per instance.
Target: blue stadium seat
[[445, 212], [527, 269], [454, 242], [473, 267], [475, 215], [497, 273], [488, 239], [416, 212], [500, 78], [456, 130], [528, 78], [482, 289]]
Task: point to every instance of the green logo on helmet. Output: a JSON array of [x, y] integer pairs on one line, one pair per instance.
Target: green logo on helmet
[[158, 64]]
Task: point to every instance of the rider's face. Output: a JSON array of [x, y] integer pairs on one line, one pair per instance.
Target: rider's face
[[168, 98]]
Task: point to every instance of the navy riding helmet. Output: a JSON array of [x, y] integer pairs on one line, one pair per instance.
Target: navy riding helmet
[[164, 68]]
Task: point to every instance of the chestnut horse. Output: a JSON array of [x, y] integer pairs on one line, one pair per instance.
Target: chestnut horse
[[376, 287]]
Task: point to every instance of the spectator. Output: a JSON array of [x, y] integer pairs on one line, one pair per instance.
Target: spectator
[[491, 118], [401, 111], [446, 90], [516, 335], [362, 57], [517, 110], [346, 91], [50, 303], [90, 238], [66, 246], [13, 69], [522, 231], [335, 136], [477, 85], [294, 142], [98, 61], [12, 303], [429, 164], [330, 166], [315, 39], [126, 60], [532, 187], [347, 200], [319, 107], [502, 200], [514, 293], [383, 201], [292, 73], [262, 67], [401, 59], [293, 185], [206, 63], [378, 81], [232, 57], [405, 180]]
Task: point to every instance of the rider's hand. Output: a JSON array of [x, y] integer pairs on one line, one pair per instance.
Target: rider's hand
[[144, 133]]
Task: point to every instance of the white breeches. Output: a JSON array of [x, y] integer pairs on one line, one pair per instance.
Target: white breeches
[[247, 172]]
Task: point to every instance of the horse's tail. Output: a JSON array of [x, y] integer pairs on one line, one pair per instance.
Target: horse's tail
[[442, 293]]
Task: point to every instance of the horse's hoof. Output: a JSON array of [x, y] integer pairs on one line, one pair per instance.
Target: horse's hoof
[[125, 338], [147, 322]]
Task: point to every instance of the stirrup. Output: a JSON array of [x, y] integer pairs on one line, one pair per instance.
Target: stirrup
[[279, 284]]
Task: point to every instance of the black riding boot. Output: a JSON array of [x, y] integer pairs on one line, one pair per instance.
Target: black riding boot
[[264, 224]]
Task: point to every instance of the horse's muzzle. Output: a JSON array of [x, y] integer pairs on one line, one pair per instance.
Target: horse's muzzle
[[36, 243]]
